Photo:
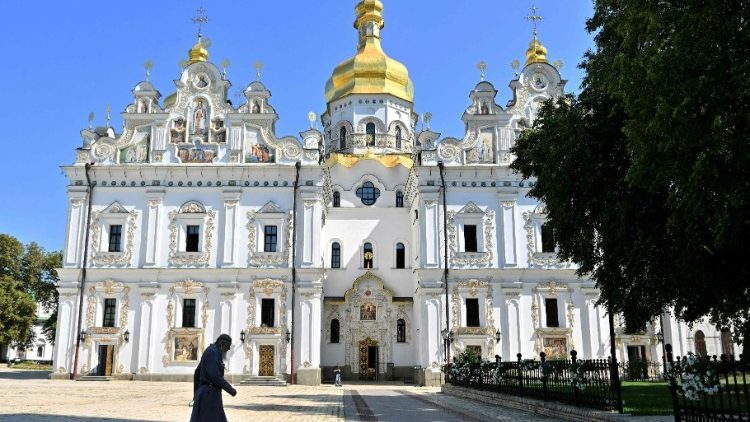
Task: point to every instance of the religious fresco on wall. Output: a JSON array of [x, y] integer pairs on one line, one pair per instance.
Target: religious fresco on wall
[[177, 133], [197, 154], [555, 347], [185, 348], [484, 152], [200, 116], [368, 312], [138, 151], [257, 151]]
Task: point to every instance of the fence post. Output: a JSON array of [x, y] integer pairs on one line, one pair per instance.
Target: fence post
[[520, 377], [544, 376], [574, 359], [673, 385]]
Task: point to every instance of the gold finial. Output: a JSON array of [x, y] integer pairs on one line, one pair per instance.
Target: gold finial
[[225, 64], [428, 119], [258, 67], [515, 64], [109, 110], [91, 120], [148, 65], [312, 117], [482, 67], [536, 52], [369, 20], [558, 65]]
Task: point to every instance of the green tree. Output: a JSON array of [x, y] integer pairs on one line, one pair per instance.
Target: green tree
[[658, 145], [17, 312]]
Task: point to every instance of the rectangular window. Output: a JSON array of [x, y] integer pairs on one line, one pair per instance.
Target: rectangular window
[[115, 238], [267, 310], [470, 238], [269, 243], [192, 238], [110, 307], [472, 312], [336, 256], [550, 308], [188, 313], [548, 239]]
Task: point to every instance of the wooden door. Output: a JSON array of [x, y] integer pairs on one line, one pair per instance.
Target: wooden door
[[266, 361]]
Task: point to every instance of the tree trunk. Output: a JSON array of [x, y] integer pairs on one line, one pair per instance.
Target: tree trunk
[[746, 342]]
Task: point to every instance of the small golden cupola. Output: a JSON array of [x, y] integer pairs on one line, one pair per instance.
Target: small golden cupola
[[536, 53], [198, 53], [370, 71]]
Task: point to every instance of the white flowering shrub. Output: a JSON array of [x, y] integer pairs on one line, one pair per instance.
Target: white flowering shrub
[[693, 376], [578, 376]]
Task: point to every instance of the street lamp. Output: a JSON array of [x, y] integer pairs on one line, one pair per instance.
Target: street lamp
[[660, 337], [288, 335], [497, 336], [126, 336], [242, 336], [83, 335]]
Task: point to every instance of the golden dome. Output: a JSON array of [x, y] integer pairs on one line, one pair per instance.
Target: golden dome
[[370, 71], [536, 53], [198, 53]]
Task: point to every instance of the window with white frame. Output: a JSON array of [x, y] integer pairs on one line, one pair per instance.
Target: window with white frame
[[400, 255], [335, 255], [469, 236], [112, 235], [268, 235], [191, 234]]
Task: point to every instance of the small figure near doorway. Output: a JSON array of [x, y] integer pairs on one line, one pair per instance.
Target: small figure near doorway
[[208, 382], [337, 374]]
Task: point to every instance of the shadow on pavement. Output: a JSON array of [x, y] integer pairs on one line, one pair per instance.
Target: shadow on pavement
[[10, 374], [30, 417]]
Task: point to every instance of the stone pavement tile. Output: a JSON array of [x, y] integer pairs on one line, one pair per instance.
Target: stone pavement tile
[[480, 410]]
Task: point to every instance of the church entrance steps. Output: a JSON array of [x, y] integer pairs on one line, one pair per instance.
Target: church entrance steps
[[264, 381], [94, 378]]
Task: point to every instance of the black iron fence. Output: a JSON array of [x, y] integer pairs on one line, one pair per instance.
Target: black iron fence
[[642, 370], [709, 388], [583, 383]]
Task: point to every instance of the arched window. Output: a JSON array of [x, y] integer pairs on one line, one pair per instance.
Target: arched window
[[335, 255], [336, 199], [335, 328], [370, 129], [548, 239], [398, 137], [727, 345], [368, 255], [700, 344], [399, 199], [401, 331], [368, 193], [400, 255], [342, 138]]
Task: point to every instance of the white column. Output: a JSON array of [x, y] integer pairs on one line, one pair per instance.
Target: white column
[[231, 203], [308, 233], [512, 325], [65, 340], [508, 230], [429, 307], [309, 326], [429, 226], [76, 223], [145, 329], [155, 198]]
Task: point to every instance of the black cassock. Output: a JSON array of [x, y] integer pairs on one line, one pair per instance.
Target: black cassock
[[208, 381]]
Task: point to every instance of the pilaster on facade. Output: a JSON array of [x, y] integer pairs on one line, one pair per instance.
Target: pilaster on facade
[[310, 225], [155, 198], [74, 234], [507, 233], [430, 225], [231, 214]]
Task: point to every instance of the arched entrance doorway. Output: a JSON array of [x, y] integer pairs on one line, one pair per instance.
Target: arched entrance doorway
[[368, 359]]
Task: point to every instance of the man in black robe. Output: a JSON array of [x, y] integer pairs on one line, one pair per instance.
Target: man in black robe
[[208, 381]]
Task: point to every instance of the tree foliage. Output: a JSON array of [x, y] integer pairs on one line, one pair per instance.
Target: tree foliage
[[27, 272], [646, 175]]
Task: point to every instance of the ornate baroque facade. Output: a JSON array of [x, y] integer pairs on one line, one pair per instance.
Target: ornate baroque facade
[[203, 221]]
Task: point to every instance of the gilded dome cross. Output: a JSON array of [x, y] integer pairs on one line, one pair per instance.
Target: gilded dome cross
[[534, 18], [200, 18]]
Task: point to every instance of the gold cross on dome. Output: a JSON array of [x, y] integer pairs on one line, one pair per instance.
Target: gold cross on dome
[[200, 18], [534, 18]]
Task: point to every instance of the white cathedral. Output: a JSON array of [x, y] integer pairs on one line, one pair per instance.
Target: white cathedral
[[372, 245]]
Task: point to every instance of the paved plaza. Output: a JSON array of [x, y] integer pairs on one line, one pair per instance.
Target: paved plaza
[[30, 396]]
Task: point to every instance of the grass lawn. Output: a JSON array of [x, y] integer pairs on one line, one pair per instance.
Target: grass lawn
[[647, 398], [30, 365]]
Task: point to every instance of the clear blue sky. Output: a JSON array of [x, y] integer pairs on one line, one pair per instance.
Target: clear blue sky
[[65, 59]]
